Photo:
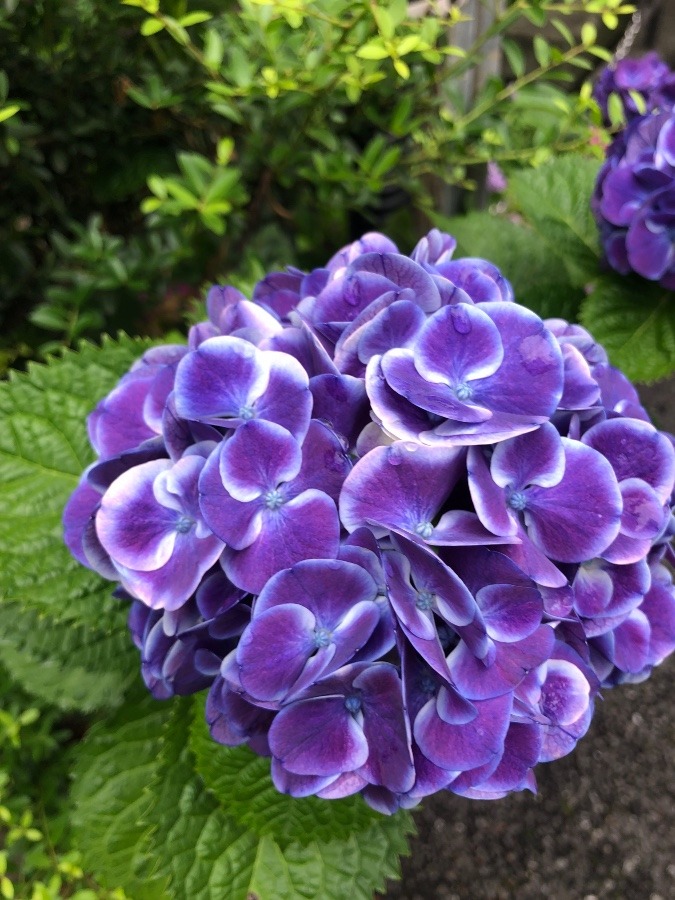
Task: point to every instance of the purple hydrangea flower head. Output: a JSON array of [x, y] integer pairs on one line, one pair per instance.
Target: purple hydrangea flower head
[[647, 77], [634, 199], [401, 528]]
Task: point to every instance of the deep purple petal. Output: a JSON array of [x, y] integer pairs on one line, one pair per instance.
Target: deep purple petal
[[78, 512], [231, 719], [170, 585], [465, 745], [512, 663], [327, 587], [325, 463], [318, 736], [400, 369], [220, 379], [307, 527], [457, 345], [488, 497], [117, 423], [385, 726], [287, 399], [522, 746], [529, 381], [299, 785], [259, 456], [403, 272], [534, 458], [636, 450], [511, 612], [565, 693], [580, 516], [631, 642], [132, 526], [400, 486], [274, 649], [342, 403], [650, 246]]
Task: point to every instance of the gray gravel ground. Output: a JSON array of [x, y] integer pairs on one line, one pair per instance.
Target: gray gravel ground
[[602, 826]]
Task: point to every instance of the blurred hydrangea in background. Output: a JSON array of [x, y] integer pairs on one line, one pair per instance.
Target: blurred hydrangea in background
[[634, 199]]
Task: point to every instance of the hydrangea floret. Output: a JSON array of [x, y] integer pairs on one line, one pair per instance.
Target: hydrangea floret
[[401, 529]]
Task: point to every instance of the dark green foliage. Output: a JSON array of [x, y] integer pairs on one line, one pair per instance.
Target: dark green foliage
[[635, 320], [539, 276], [62, 635], [148, 815], [152, 147]]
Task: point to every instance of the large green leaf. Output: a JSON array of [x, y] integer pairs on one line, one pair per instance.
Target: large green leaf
[[115, 763], [241, 781], [540, 277], [61, 633], [635, 321], [555, 201], [146, 820]]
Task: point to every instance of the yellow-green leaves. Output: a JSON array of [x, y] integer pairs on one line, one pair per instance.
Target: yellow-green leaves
[[209, 191]]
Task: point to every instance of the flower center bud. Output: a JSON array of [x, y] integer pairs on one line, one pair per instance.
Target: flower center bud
[[463, 391], [273, 499], [353, 704], [517, 500], [184, 524], [424, 529], [246, 413], [425, 600], [322, 637]]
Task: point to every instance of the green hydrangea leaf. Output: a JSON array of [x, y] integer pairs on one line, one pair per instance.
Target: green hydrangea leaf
[[146, 821], [115, 763], [540, 278], [236, 856], [555, 201], [241, 782], [62, 635], [635, 321], [69, 664]]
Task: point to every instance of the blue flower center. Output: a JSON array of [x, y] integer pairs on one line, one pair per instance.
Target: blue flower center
[[463, 391], [517, 500], [425, 600], [273, 499], [424, 529], [184, 524], [353, 704], [246, 413], [322, 637]]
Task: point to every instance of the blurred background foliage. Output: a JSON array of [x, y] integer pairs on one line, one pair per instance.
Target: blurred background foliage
[[149, 148]]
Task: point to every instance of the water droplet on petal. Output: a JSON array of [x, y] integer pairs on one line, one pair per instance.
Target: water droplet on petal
[[460, 320], [537, 354]]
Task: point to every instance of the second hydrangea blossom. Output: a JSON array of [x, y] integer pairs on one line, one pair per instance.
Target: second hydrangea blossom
[[634, 198], [402, 529]]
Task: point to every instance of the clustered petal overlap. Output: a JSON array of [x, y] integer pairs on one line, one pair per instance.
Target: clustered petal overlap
[[634, 198], [403, 530]]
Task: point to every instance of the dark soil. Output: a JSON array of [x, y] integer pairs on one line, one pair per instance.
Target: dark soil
[[602, 826]]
